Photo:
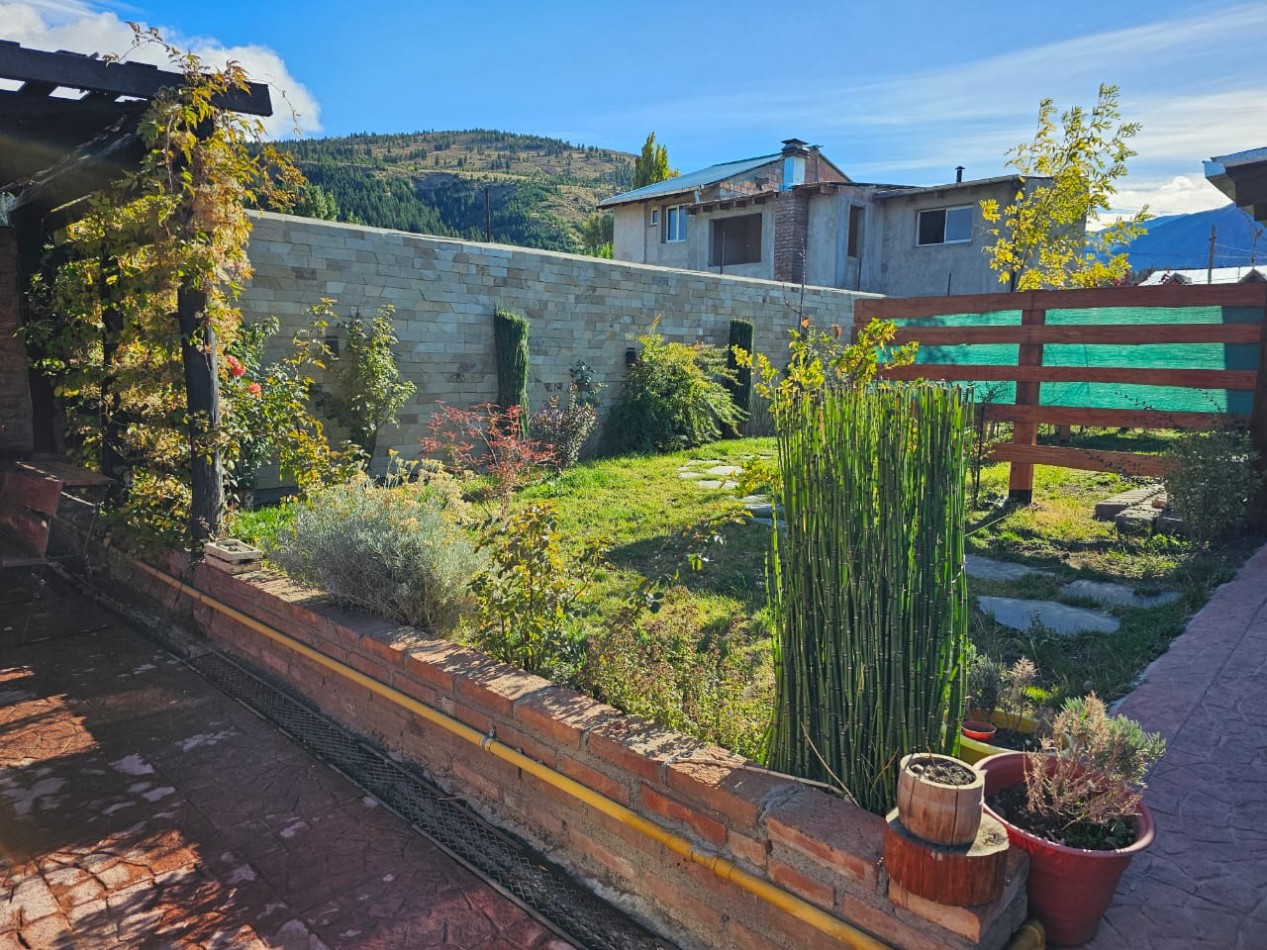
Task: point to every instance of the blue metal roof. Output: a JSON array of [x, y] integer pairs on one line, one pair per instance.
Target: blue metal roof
[[691, 180]]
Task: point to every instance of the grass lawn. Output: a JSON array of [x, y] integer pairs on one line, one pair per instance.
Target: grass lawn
[[668, 529]]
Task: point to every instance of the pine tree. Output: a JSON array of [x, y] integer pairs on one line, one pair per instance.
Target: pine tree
[[653, 164]]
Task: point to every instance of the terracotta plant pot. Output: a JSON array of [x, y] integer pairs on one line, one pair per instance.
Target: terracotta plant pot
[[939, 812], [979, 729], [1069, 888]]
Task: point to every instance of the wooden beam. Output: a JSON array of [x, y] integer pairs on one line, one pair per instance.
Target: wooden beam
[[1166, 295], [1091, 460], [138, 80], [1183, 378], [1109, 418], [1126, 334], [82, 172]]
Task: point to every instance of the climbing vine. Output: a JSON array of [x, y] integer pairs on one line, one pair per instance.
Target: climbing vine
[[136, 308]]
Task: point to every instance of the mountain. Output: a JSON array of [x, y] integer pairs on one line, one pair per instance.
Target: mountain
[[539, 190], [1180, 241]]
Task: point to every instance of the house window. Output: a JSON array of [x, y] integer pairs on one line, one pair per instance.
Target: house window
[[674, 223], [856, 213], [736, 241], [655, 217], [945, 226]]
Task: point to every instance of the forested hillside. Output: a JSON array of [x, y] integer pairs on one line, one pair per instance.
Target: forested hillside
[[539, 190]]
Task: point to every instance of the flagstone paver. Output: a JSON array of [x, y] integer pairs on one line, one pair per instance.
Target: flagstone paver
[[1021, 614], [1203, 883], [141, 808]]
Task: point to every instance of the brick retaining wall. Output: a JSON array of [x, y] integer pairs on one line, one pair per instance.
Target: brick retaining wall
[[806, 841]]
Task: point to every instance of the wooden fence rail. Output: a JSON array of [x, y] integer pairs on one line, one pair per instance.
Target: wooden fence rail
[[1029, 372]]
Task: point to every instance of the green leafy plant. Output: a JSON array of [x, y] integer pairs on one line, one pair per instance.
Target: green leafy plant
[[368, 390], [564, 430], [141, 388], [399, 550], [510, 333], [1210, 479], [669, 665], [528, 599], [674, 396], [1088, 781]]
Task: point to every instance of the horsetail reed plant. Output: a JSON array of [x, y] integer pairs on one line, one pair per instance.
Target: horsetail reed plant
[[869, 592]]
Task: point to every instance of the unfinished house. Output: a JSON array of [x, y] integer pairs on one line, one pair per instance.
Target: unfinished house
[[795, 216]]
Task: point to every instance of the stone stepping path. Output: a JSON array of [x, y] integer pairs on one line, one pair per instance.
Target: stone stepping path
[[1020, 614], [714, 474], [987, 569], [1117, 595]]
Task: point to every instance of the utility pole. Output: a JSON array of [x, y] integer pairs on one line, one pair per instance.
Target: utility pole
[[1209, 267], [488, 217]]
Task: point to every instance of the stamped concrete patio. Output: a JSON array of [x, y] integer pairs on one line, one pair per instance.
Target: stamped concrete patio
[[1204, 881], [140, 808]]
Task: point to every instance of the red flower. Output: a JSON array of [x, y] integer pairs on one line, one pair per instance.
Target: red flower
[[254, 389], [235, 365]]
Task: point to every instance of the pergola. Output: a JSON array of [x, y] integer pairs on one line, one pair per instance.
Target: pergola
[[1242, 176], [68, 130]]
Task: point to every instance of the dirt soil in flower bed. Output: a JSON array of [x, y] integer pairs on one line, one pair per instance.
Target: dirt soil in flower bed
[[1016, 741], [943, 772], [1012, 805]]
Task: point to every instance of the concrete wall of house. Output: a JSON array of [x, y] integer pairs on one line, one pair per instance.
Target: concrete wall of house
[[908, 270], [701, 242], [16, 431], [629, 233], [825, 261], [444, 292]]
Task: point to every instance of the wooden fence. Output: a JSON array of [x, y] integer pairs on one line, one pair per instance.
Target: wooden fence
[[1179, 318]]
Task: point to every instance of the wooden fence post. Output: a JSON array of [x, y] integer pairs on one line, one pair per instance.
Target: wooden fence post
[[1258, 431], [1020, 486]]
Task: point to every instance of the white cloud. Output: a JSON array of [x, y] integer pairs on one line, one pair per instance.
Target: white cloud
[[90, 28], [1182, 194]]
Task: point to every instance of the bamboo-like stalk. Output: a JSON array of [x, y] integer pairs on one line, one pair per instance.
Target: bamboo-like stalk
[[869, 593]]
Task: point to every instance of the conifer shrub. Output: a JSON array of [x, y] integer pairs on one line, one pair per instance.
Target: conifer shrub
[[742, 334], [510, 334]]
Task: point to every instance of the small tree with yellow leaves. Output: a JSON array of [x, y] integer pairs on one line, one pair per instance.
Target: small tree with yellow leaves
[[1040, 238]]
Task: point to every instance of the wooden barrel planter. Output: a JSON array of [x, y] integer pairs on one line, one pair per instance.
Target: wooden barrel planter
[[940, 799]]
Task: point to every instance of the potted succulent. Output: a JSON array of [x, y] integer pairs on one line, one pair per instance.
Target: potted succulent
[[1013, 714], [984, 685], [1077, 809]]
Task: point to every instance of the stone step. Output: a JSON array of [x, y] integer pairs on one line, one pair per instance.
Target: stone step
[[1118, 595], [1020, 614], [988, 569], [1110, 507]]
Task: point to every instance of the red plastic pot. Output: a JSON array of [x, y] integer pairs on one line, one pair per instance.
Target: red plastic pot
[[979, 729], [1069, 888]]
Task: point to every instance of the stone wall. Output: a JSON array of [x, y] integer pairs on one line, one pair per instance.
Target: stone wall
[[16, 434], [444, 292]]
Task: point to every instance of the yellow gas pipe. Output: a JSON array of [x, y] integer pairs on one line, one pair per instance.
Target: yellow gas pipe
[[723, 868]]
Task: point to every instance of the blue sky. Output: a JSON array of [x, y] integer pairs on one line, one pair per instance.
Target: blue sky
[[898, 91]]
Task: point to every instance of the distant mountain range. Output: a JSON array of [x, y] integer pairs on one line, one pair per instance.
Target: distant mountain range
[[1180, 241], [538, 190]]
